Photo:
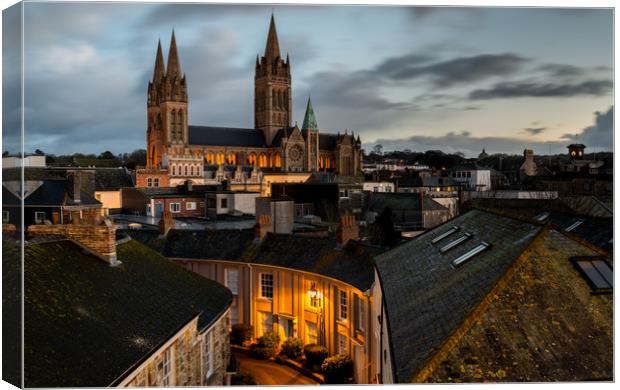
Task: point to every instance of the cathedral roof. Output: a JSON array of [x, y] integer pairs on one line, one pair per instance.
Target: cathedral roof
[[327, 141], [226, 136], [282, 133]]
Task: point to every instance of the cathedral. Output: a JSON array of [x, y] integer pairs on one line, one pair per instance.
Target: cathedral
[[202, 154]]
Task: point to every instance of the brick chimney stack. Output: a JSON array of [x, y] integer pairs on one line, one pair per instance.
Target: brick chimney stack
[[347, 230], [263, 226], [74, 184], [166, 222]]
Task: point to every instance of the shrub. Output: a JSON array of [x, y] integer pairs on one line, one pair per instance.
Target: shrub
[[242, 379], [315, 354], [337, 369], [240, 334], [266, 346], [292, 348]]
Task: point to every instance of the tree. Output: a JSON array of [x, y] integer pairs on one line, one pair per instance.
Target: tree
[[107, 155], [5, 153], [39, 152], [382, 231]]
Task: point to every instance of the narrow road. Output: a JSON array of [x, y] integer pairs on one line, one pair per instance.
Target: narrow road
[[267, 372]]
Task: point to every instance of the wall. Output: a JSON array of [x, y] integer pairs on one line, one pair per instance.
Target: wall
[[183, 201], [187, 359], [268, 179], [109, 200], [382, 358], [145, 173], [290, 305], [378, 186]]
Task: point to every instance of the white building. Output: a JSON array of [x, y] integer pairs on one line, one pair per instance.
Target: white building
[[472, 176]]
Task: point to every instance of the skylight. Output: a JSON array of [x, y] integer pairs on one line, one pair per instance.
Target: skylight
[[440, 237], [454, 243], [574, 225], [597, 272], [542, 216], [463, 258]]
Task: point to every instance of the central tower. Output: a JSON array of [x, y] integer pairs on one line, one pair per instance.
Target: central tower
[[272, 89]]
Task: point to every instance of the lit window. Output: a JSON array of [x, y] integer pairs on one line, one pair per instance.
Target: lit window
[[314, 296], [440, 237], [232, 280], [342, 344], [574, 225], [312, 336], [266, 286], [454, 243], [359, 306], [39, 216], [175, 207], [163, 368], [149, 182], [463, 258], [342, 305], [597, 272], [190, 205]]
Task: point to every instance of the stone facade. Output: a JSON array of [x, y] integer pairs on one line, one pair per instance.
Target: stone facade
[[189, 358], [273, 144]]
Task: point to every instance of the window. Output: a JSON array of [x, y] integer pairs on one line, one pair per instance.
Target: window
[[208, 354], [185, 169], [149, 182], [342, 344], [597, 272], [574, 225], [312, 336], [232, 280], [175, 207], [359, 311], [224, 203], [191, 170], [163, 368], [174, 170], [342, 305], [190, 205], [156, 182], [266, 321], [440, 237], [39, 216], [181, 355], [463, 258], [542, 216], [266, 286], [5, 216], [454, 243]]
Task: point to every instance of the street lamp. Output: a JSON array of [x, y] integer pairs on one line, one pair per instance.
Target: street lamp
[[316, 300]]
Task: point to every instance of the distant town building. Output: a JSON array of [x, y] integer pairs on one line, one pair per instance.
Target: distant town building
[[378, 186], [27, 161], [482, 155], [472, 176]]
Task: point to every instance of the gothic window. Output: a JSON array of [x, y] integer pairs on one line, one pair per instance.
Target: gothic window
[[180, 125], [274, 98], [252, 159], [210, 158], [231, 159], [277, 160], [220, 158], [185, 169], [173, 127], [191, 169], [280, 100], [262, 160], [174, 170]]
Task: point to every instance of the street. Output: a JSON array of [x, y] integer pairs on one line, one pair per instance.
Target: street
[[267, 372]]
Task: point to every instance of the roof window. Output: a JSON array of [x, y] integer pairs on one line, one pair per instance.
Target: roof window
[[456, 242], [542, 216], [473, 252], [440, 237], [574, 225], [597, 272]]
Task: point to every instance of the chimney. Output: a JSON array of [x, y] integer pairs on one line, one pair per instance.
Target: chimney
[[98, 239], [347, 230], [74, 186], [166, 222], [263, 226]]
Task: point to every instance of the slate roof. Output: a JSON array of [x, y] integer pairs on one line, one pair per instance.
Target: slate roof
[[105, 178], [328, 141], [352, 264], [50, 193], [402, 201], [282, 133], [226, 136], [426, 298], [596, 231], [198, 244], [87, 323]]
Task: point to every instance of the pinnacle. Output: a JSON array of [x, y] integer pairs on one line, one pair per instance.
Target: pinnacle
[[272, 49]]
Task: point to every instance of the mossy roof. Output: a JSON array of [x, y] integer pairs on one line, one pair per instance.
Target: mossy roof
[[87, 323]]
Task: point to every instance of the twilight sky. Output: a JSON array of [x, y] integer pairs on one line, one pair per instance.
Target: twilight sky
[[456, 79]]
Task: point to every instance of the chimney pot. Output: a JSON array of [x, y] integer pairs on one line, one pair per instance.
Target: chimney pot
[[347, 230]]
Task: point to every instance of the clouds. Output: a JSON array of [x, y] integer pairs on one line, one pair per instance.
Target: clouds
[[453, 71], [521, 89], [535, 130], [601, 133]]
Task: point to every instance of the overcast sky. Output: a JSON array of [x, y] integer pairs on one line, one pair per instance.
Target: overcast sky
[[456, 79]]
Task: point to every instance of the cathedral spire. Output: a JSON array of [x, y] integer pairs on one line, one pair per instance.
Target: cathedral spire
[[159, 71], [272, 49], [174, 65], [309, 118]]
